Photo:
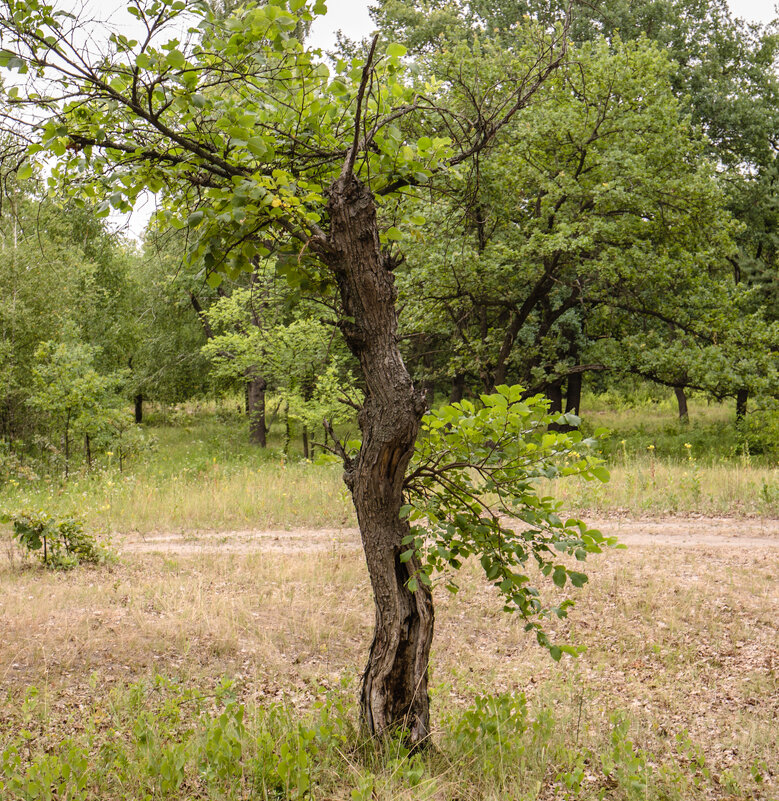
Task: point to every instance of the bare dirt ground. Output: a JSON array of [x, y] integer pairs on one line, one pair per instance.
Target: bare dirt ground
[[686, 532]]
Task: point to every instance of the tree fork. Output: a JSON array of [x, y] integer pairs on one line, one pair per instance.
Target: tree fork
[[394, 688]]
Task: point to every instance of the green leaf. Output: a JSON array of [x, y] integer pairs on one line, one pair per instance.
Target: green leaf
[[559, 576], [176, 59], [396, 50], [600, 472], [257, 146], [577, 579], [195, 218]]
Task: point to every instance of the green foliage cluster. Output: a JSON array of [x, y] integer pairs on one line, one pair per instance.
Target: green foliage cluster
[[638, 237], [60, 544], [269, 332], [68, 305], [472, 491]]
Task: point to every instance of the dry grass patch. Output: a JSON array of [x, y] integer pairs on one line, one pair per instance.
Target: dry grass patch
[[681, 640], [647, 485]]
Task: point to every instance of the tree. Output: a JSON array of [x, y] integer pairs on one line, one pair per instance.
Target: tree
[[300, 356], [61, 278], [166, 363], [71, 394], [723, 74], [246, 131], [597, 203]]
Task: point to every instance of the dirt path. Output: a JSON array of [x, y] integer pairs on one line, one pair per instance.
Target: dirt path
[[682, 532]]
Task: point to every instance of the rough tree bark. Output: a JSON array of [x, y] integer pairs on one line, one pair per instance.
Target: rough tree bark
[[394, 688]]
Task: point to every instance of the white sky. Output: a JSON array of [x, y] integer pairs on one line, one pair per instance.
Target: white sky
[[754, 10]]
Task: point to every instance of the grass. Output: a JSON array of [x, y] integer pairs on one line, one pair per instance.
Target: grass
[[203, 474], [645, 484], [200, 475], [209, 662], [710, 432], [675, 697]]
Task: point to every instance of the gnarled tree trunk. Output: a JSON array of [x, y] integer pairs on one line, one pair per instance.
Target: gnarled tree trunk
[[394, 688]]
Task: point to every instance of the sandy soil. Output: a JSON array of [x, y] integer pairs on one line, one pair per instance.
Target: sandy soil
[[677, 531]]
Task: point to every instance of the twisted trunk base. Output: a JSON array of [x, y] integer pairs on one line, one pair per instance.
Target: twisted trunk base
[[394, 689]]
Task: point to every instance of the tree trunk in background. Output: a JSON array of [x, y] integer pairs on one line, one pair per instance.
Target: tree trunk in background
[[88, 451], [305, 443], [681, 400], [67, 444], [742, 396], [394, 687], [458, 389], [256, 409], [573, 393], [139, 408], [555, 394]]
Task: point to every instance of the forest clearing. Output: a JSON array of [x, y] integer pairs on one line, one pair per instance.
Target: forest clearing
[[389, 415], [674, 697]]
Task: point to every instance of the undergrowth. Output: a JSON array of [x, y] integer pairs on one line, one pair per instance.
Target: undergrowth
[[160, 739], [204, 474]]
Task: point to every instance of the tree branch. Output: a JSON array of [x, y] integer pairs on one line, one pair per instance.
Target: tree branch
[[366, 73]]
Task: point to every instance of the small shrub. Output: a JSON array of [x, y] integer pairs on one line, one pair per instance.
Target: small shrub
[[59, 544]]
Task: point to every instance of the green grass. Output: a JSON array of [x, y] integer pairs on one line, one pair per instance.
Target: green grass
[[204, 474], [711, 432]]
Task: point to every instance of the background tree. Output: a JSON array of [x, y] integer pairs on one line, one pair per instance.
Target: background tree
[[71, 394], [724, 77]]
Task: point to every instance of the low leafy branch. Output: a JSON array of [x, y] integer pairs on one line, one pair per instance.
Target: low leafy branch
[[473, 490]]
